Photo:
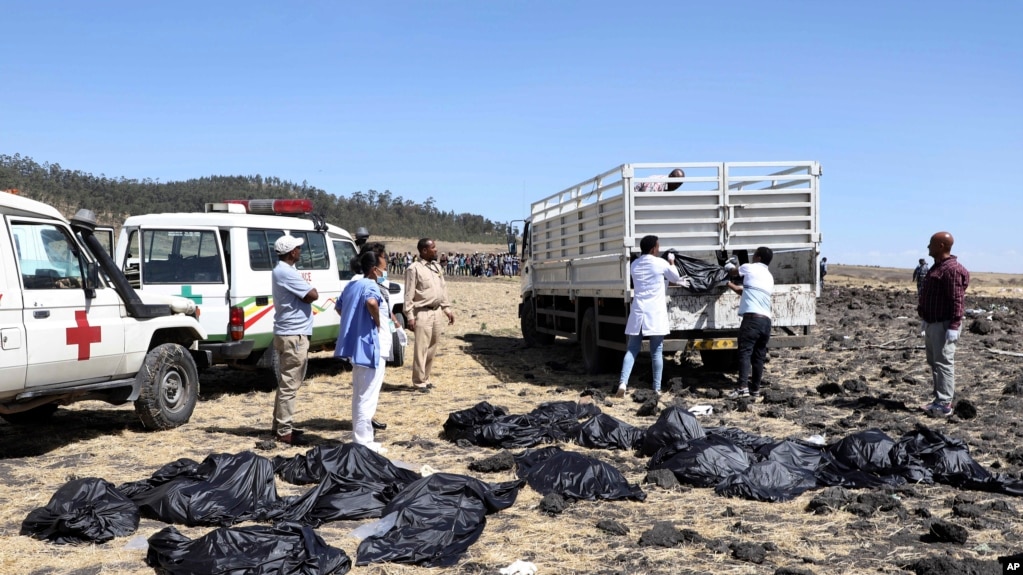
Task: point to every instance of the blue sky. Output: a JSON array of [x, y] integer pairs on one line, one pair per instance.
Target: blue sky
[[914, 109]]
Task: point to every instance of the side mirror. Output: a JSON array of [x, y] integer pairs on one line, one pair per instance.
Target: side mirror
[[394, 287], [92, 275]]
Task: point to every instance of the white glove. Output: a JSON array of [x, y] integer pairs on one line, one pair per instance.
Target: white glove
[[923, 329], [671, 257], [731, 263], [951, 336], [684, 282]]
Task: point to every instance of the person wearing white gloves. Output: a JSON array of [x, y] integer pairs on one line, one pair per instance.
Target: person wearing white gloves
[[648, 315], [755, 289], [940, 305]]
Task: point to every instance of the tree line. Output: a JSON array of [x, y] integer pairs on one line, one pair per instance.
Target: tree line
[[114, 199]]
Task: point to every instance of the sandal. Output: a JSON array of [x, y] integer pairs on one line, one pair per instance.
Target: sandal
[[423, 386]]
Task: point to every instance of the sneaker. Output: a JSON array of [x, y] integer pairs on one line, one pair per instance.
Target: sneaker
[[739, 392], [620, 392], [938, 409]]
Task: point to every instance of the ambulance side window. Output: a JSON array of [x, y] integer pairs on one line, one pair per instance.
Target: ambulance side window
[[181, 256], [262, 255], [47, 257], [343, 253], [314, 251]]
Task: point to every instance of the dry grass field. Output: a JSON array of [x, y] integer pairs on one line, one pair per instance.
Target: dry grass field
[[482, 358]]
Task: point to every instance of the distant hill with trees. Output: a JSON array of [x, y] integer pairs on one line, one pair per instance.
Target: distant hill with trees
[[114, 199]]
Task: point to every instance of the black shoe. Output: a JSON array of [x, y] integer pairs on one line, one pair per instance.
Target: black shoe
[[292, 438], [378, 425]]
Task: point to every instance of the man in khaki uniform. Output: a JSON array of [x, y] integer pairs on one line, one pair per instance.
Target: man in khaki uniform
[[426, 298]]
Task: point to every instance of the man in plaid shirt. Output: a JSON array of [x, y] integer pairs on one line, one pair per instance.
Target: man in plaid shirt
[[941, 309]]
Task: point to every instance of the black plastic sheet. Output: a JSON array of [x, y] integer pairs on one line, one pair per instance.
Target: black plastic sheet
[[863, 459], [88, 510], [349, 460], [359, 485], [786, 470], [222, 490], [702, 462], [550, 422], [462, 424], [605, 432], [437, 518], [674, 425], [703, 276], [284, 549], [948, 460], [574, 476]]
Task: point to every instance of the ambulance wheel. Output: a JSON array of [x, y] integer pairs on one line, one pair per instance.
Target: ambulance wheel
[[169, 387], [34, 416], [399, 351], [274, 361]]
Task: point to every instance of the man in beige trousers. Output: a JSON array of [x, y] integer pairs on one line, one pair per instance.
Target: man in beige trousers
[[426, 298]]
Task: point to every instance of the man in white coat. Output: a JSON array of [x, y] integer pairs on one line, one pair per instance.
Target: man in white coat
[[648, 315]]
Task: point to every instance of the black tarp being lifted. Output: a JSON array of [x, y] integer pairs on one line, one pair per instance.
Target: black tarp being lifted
[[574, 476], [284, 549], [703, 276], [89, 510], [436, 519]]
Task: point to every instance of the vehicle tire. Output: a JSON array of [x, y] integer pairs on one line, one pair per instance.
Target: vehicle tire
[[528, 326], [274, 365], [399, 351], [401, 319], [169, 387], [34, 416], [720, 359]]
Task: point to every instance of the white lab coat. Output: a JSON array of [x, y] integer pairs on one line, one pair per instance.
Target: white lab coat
[[649, 313]]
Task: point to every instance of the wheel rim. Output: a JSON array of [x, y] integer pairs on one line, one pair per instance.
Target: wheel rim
[[173, 387]]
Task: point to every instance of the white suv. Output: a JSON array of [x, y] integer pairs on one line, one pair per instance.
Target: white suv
[[72, 328]]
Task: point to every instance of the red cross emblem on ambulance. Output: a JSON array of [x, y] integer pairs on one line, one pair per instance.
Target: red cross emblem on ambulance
[[83, 335]]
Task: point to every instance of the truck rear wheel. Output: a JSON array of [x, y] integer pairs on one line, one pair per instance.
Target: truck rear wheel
[[528, 325], [169, 387], [720, 359]]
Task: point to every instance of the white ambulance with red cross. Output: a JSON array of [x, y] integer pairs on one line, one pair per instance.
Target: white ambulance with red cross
[[71, 327], [223, 259]]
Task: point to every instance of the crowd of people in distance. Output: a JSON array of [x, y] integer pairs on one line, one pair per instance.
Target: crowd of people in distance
[[462, 264]]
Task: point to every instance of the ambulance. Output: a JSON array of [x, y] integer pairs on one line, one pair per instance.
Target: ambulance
[[223, 258], [73, 329]]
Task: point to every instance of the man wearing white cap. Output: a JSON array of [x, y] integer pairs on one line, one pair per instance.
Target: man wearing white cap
[[293, 324]]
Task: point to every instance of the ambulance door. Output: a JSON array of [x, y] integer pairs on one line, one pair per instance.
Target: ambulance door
[[186, 261], [315, 266], [71, 334], [12, 327]]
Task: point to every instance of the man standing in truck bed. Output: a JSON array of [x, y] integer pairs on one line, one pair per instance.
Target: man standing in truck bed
[[755, 330]]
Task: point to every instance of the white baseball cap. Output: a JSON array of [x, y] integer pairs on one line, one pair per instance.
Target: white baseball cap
[[285, 244]]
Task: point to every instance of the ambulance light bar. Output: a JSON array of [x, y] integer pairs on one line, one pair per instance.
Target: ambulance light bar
[[272, 207]]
